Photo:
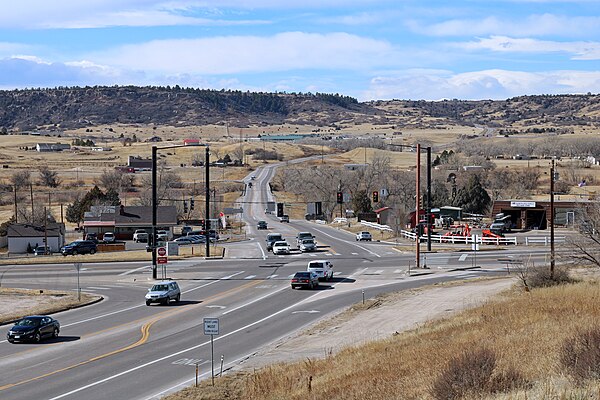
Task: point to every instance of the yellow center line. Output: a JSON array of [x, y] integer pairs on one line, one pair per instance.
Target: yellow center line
[[143, 339]]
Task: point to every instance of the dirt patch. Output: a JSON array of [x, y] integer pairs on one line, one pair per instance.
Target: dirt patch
[[377, 319], [17, 303]]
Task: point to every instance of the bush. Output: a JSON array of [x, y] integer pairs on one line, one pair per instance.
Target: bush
[[473, 373], [580, 355], [540, 277]]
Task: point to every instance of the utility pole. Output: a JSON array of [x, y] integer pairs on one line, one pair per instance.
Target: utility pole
[[428, 212], [207, 200], [552, 259], [45, 231], [31, 195], [16, 210], [417, 208]]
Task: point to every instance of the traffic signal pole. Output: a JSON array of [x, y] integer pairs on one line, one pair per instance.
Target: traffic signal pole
[[207, 202], [154, 210], [417, 208], [428, 211]]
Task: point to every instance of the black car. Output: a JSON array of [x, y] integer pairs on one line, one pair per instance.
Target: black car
[[261, 225], [33, 329], [79, 247], [305, 279]]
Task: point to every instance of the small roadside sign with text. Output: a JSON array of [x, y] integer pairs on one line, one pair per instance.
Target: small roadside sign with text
[[211, 326], [162, 260]]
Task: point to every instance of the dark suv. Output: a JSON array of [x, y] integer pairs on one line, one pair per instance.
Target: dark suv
[[79, 247]]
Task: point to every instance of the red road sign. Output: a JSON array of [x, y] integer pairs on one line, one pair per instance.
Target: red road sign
[[161, 251], [161, 260]]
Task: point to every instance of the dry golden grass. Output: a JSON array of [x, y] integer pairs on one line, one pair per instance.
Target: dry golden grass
[[525, 330], [33, 302]]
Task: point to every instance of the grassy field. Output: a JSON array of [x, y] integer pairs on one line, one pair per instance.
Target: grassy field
[[36, 302], [514, 347]]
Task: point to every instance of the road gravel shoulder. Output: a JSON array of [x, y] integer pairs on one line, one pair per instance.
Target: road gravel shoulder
[[377, 319]]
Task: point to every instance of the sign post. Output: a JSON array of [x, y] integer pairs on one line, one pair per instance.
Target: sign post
[[211, 327], [162, 259], [78, 268]]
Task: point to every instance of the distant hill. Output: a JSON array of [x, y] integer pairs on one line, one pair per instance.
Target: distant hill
[[68, 108]]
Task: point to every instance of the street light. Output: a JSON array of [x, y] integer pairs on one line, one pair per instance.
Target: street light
[[553, 177], [155, 203]]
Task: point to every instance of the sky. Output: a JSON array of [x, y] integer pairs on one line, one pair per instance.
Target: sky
[[367, 49]]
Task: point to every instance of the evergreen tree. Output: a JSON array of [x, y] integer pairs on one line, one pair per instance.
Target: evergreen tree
[[472, 197], [361, 202]]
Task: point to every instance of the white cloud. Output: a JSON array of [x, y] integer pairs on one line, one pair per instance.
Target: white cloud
[[71, 14], [580, 50], [533, 25], [489, 84], [241, 54]]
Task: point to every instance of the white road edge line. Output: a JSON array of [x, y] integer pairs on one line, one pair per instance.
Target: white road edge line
[[264, 256]]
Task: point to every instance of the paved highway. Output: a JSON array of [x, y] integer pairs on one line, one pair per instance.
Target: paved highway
[[120, 348]]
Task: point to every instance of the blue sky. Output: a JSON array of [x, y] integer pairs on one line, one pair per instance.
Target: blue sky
[[368, 49]]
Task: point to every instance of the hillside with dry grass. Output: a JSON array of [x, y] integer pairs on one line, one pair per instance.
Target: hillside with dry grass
[[539, 344]]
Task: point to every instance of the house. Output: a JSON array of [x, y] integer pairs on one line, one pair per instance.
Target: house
[[125, 220], [20, 236], [47, 147], [383, 214], [191, 142], [139, 163]]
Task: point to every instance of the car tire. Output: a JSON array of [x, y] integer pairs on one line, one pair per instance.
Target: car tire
[[10, 341], [55, 333], [37, 338], [166, 301], [92, 251], [178, 298], [147, 303], [74, 252]]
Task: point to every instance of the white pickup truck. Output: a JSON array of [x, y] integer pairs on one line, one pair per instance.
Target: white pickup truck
[[140, 235]]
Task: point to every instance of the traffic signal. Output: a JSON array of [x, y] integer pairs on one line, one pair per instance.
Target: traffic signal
[[279, 210], [185, 209], [191, 203], [375, 196], [340, 197]]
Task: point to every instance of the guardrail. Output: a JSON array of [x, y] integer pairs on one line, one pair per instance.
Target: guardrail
[[340, 220]]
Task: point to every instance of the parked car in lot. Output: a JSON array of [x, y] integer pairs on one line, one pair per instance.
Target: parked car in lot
[[308, 245], [322, 268], [285, 218], [162, 235], [140, 236], [272, 238], [305, 279], [41, 250], [91, 236], [186, 229], [79, 247], [281, 247], [261, 225], [364, 236], [109, 237], [33, 329], [184, 240], [303, 235], [163, 292]]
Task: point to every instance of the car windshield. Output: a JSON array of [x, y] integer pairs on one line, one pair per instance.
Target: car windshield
[[28, 322], [280, 244], [308, 241], [159, 288], [274, 238], [315, 265], [302, 275]]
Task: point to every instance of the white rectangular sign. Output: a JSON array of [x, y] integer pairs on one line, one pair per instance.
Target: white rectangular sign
[[211, 326], [530, 204]]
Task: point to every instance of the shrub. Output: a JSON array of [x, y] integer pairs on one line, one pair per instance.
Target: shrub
[[473, 373], [540, 277], [580, 355], [465, 374]]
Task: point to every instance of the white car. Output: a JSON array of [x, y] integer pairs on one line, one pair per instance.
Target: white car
[[281, 247], [364, 236], [109, 237], [323, 269], [162, 235], [140, 235]]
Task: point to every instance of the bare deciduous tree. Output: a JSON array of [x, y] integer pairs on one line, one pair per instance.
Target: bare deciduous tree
[[49, 177], [20, 179]]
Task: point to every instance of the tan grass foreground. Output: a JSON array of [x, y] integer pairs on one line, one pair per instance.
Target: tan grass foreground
[[525, 330]]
